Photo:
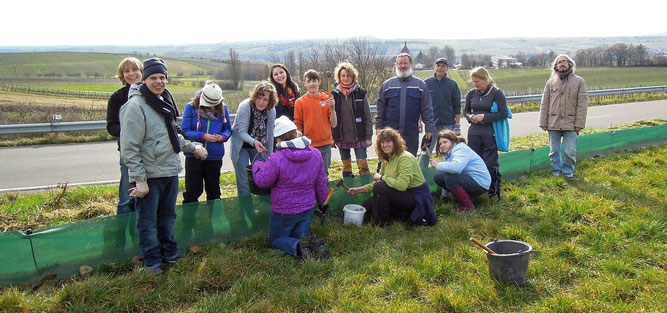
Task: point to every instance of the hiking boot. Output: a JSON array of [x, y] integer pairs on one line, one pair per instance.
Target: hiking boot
[[319, 248], [303, 249], [155, 269], [171, 261]]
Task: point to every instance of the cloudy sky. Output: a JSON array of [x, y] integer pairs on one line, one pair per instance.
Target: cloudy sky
[[122, 22]]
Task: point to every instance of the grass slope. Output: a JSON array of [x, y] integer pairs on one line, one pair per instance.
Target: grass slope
[[85, 64], [532, 80], [600, 242]]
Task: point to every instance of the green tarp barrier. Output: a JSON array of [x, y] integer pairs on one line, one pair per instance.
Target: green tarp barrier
[[61, 250]]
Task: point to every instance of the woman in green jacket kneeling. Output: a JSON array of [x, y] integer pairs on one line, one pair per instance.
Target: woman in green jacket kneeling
[[400, 191]]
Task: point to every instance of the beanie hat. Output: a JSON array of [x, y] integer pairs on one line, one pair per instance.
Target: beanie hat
[[211, 94], [283, 125], [154, 66]]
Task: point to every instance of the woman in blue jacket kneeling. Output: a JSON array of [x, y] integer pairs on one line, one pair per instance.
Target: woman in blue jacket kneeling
[[295, 172], [463, 173], [205, 120]]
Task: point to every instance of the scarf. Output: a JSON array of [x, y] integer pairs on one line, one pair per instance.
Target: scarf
[[259, 119], [347, 89], [482, 93], [166, 107], [287, 98], [565, 75], [296, 143], [207, 113]]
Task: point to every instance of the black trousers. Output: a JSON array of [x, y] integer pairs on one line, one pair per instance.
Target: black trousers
[[200, 174], [485, 146], [388, 204]]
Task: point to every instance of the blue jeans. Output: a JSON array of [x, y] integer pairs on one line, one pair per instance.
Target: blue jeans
[[567, 163], [424, 160], [285, 229], [359, 153], [326, 156], [155, 221], [125, 203], [245, 156]]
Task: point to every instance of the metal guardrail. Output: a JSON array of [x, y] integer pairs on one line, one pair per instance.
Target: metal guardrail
[[101, 125]]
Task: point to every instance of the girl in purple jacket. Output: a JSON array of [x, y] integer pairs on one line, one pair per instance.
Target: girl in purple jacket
[[295, 173]]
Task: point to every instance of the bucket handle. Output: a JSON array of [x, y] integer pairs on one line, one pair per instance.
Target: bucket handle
[[255, 158]]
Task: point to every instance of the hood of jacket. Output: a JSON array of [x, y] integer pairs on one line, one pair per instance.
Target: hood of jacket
[[296, 150]]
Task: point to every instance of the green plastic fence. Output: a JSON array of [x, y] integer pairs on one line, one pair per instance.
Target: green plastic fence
[[63, 249]]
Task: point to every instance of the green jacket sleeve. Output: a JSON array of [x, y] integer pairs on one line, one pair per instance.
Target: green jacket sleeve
[[401, 181]]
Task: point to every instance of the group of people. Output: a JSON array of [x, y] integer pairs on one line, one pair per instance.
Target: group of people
[[286, 139]]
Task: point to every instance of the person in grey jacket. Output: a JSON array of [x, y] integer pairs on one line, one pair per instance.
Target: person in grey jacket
[[252, 132], [149, 146], [401, 101], [563, 113]]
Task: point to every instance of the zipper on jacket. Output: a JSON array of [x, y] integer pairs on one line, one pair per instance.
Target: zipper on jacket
[[208, 125]]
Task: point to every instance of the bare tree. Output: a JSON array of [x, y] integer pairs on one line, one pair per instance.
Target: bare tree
[[273, 57], [373, 67], [290, 61], [432, 54], [234, 69], [450, 54]]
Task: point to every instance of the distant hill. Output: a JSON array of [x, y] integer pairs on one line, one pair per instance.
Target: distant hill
[[261, 50], [85, 64]]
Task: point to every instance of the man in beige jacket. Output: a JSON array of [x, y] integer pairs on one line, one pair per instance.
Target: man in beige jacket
[[563, 114]]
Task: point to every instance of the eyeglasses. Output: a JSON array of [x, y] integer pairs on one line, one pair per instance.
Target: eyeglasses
[[563, 61]]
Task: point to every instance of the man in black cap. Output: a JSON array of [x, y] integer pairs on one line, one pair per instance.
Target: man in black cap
[[149, 146], [446, 99]]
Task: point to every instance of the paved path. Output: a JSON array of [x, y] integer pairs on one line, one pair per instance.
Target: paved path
[[36, 167]]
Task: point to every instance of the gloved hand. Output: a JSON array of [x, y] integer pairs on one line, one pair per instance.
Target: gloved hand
[[457, 129], [140, 190]]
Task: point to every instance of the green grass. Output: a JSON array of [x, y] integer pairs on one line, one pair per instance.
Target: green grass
[[85, 64], [600, 242]]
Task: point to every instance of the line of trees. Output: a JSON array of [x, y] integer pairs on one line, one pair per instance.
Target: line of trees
[[433, 53], [373, 66], [618, 55]]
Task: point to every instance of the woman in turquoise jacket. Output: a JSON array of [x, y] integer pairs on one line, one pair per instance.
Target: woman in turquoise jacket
[[463, 172], [205, 120]]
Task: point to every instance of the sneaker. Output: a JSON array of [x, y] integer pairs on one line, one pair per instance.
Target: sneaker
[[303, 247], [155, 269], [568, 176], [319, 248], [171, 261]]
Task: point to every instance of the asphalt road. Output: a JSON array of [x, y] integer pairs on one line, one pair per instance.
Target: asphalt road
[[44, 166]]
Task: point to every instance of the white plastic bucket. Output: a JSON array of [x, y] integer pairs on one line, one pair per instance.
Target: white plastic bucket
[[354, 214]]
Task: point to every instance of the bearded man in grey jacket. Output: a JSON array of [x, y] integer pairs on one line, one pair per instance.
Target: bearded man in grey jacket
[[563, 114]]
